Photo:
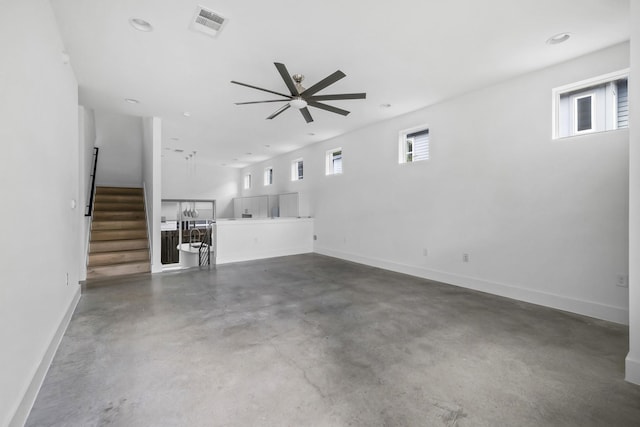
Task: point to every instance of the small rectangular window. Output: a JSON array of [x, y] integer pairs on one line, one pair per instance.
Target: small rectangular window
[[594, 105], [247, 181], [414, 145], [297, 170], [268, 176], [334, 161]]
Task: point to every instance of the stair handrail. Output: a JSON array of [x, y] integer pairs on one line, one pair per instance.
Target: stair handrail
[[89, 207]]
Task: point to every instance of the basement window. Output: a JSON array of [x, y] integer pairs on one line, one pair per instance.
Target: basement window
[[413, 145], [268, 175], [594, 105], [247, 181], [297, 170], [334, 161]]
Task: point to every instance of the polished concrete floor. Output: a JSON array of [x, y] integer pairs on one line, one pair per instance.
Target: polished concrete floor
[[314, 341]]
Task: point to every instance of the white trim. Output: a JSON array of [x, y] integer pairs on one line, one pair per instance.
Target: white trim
[[560, 302], [632, 370], [604, 78], [28, 399]]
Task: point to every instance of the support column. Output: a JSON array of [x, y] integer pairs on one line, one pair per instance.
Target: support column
[[632, 372]]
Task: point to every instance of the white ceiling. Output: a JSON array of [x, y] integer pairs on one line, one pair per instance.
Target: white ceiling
[[407, 53]]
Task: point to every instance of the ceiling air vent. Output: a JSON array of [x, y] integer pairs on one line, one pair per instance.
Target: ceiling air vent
[[208, 22]]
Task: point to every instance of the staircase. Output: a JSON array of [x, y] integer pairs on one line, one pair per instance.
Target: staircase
[[119, 244]]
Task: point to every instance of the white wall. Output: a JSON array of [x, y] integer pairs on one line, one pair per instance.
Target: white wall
[[39, 179], [543, 220], [151, 177], [119, 138], [633, 358], [206, 182], [86, 142]]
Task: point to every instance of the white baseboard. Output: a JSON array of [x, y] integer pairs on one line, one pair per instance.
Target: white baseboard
[[632, 370], [586, 308], [29, 398]]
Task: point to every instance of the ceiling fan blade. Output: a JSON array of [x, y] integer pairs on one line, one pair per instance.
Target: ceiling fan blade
[[287, 78], [338, 97], [306, 114], [328, 107], [259, 88], [324, 83], [261, 102], [280, 110]]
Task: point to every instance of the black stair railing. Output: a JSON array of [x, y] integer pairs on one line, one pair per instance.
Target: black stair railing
[[92, 189]]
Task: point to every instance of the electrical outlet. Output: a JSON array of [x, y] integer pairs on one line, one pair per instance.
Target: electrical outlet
[[622, 280], [425, 252], [465, 257]]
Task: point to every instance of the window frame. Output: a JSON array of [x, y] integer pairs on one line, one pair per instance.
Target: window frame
[[268, 175], [588, 86], [330, 168], [295, 175], [403, 142], [247, 181]]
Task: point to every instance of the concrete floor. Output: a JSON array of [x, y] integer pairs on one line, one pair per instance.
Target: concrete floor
[[314, 341]]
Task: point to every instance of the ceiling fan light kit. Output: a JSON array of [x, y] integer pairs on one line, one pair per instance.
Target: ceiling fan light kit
[[300, 97]]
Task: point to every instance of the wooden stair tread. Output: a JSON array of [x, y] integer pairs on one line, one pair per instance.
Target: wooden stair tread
[[118, 257], [121, 269], [102, 224], [118, 206], [99, 235], [119, 190], [118, 198], [115, 245], [118, 215]]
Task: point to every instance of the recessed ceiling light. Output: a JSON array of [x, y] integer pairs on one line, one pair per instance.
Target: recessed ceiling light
[[175, 139], [385, 105], [558, 38], [132, 101], [311, 134], [140, 25], [267, 145], [178, 150], [235, 160], [248, 154], [186, 114]]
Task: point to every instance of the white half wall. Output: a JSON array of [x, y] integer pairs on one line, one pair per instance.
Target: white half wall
[[542, 220], [205, 181], [119, 138], [250, 239], [633, 358], [41, 201]]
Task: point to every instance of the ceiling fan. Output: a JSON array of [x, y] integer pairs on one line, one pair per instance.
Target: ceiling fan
[[301, 97]]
